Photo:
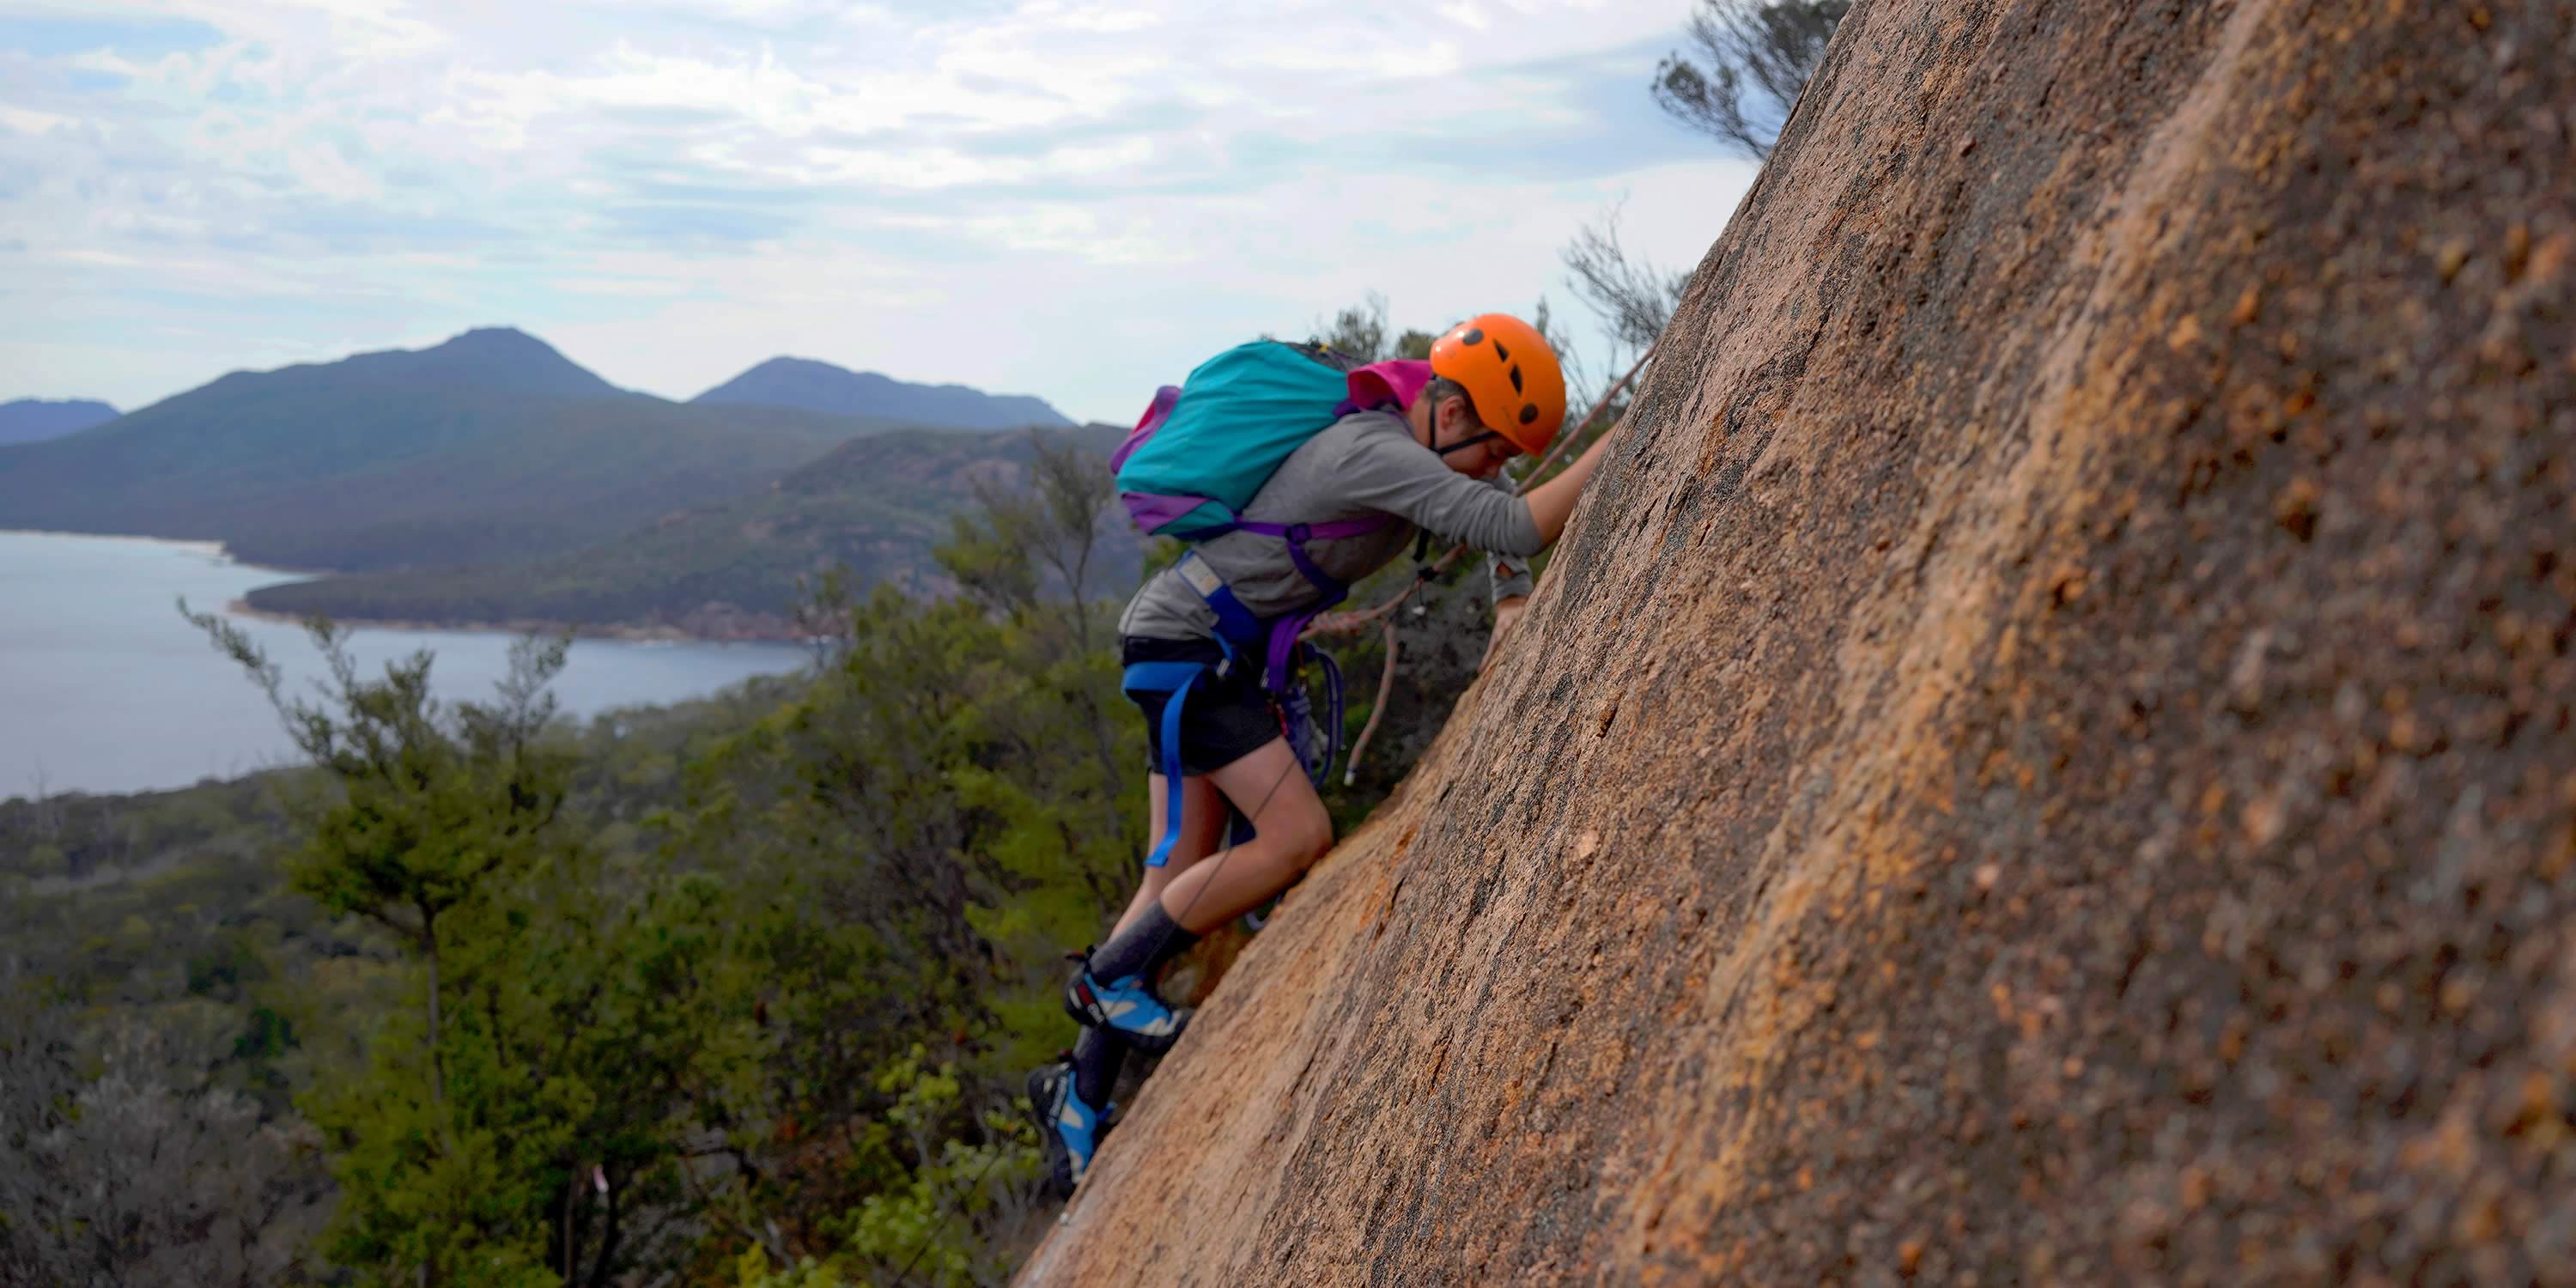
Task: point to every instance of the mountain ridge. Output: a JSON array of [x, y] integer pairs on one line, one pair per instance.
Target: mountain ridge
[[495, 358], [35, 420], [809, 384], [488, 445]]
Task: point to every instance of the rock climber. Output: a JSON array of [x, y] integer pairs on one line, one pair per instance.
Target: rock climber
[[1429, 454]]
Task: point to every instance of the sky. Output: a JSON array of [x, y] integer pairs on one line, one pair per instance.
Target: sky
[[1078, 201]]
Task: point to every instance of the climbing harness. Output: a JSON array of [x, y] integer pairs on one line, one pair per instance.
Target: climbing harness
[[1281, 650]]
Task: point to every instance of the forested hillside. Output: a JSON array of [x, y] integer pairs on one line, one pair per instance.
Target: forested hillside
[[875, 508]]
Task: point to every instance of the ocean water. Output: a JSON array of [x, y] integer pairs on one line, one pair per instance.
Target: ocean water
[[104, 687]]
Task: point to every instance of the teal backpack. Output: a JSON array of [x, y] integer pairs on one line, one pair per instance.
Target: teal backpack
[[1203, 450]]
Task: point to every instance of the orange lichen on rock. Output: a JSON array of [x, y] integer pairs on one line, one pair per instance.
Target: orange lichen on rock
[[2052, 755]]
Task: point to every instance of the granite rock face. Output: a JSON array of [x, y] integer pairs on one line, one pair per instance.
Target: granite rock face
[[2046, 754]]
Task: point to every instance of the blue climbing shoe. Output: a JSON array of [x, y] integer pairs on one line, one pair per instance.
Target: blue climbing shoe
[[1068, 1129], [1125, 1008]]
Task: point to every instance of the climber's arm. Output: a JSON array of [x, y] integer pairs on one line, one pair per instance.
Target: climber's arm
[[1551, 503], [1385, 471]]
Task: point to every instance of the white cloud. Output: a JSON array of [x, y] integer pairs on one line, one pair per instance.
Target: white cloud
[[28, 121], [940, 190]]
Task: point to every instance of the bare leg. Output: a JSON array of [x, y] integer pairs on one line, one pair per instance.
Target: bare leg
[[1203, 818], [1097, 1056], [1271, 789]]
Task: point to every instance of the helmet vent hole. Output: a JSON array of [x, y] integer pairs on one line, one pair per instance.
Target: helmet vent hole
[[1501, 352], [1529, 412], [1516, 380], [1475, 335]]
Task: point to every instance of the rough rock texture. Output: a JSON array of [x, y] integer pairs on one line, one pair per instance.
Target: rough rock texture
[[2046, 755]]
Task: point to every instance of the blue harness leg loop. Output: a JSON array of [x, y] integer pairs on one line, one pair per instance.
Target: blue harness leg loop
[[1174, 678], [1236, 627]]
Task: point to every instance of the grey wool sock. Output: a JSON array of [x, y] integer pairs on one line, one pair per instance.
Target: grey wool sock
[[1096, 1059], [1141, 949]]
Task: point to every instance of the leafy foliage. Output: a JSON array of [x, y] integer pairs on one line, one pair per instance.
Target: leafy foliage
[[1750, 59], [941, 1227], [551, 1019], [123, 1159]]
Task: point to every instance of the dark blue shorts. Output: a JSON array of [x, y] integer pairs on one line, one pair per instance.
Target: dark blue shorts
[[1226, 718]]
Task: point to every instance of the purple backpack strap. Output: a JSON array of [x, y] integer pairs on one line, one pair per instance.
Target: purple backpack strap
[[1285, 630], [1298, 534], [1283, 648]]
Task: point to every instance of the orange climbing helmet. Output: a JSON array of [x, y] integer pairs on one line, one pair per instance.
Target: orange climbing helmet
[[1510, 375]]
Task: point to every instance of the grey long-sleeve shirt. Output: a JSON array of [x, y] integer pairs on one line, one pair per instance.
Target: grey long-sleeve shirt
[[1366, 464]]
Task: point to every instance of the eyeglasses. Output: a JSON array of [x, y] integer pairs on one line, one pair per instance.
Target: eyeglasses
[[1505, 453]]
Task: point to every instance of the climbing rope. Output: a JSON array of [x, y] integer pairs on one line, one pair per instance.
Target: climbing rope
[[1385, 684]]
